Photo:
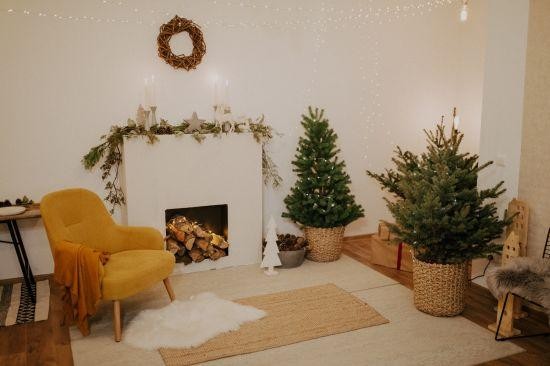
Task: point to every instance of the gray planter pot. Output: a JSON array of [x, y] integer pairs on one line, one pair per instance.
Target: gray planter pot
[[292, 258]]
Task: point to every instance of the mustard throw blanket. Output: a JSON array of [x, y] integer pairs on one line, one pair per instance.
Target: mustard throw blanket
[[77, 267]]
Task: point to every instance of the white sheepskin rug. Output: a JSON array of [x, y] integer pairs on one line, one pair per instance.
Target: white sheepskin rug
[[190, 323]]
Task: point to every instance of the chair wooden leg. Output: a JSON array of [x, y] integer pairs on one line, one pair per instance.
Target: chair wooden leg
[[116, 320], [169, 289]]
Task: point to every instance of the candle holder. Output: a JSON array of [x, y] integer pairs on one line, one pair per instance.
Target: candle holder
[[217, 112], [153, 115], [222, 113], [140, 116], [146, 124]]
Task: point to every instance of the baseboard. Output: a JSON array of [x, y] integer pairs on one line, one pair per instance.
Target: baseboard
[[356, 237], [50, 275], [39, 277]]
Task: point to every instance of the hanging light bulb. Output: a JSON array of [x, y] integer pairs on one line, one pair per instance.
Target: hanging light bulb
[[464, 11]]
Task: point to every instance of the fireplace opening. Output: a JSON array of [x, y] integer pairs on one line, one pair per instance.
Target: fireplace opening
[[194, 234]]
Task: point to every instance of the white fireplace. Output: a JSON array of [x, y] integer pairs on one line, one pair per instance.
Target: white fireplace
[[178, 172]]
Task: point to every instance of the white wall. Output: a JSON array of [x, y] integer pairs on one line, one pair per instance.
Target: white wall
[[500, 138], [502, 115], [427, 65], [65, 82], [535, 171]]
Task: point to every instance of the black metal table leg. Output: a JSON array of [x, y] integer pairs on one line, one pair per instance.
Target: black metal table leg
[[17, 241]]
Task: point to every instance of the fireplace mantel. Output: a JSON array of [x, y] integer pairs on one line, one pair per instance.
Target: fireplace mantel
[[178, 172]]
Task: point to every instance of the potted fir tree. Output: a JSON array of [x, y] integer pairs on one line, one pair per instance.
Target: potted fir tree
[[442, 215], [321, 200]]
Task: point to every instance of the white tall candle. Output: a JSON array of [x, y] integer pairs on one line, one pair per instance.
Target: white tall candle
[[153, 92], [226, 92], [146, 93], [217, 89], [150, 92]]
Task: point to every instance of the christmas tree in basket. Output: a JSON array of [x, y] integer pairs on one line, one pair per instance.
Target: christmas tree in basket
[[321, 200], [443, 215]]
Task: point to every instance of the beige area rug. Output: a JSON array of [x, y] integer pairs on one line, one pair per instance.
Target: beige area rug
[[293, 316], [410, 337]]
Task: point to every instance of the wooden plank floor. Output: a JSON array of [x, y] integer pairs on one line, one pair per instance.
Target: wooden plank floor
[[42, 343], [48, 343], [479, 309]]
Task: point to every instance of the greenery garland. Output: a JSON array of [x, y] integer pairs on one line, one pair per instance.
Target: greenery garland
[[110, 149]]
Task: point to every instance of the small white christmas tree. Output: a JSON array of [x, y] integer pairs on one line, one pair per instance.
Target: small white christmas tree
[[271, 252]]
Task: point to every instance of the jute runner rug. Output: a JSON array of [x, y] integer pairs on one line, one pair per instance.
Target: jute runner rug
[[293, 316]]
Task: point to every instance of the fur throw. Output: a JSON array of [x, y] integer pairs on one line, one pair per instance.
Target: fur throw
[[526, 277], [188, 323]]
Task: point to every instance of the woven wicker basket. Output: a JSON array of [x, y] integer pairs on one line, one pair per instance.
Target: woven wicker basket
[[325, 244], [439, 288]]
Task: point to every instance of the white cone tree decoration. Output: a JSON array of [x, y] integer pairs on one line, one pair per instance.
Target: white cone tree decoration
[[271, 252]]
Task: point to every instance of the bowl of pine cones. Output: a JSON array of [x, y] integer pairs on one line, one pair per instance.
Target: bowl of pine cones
[[292, 250]]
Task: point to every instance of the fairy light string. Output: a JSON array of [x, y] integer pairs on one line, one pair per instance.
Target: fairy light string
[[318, 19], [294, 16]]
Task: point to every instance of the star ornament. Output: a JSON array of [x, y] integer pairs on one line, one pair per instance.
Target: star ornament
[[194, 122]]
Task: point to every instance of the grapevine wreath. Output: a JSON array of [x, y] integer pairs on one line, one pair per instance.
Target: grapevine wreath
[[175, 26]]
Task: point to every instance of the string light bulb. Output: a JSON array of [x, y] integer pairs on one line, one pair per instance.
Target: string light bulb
[[464, 11], [335, 18]]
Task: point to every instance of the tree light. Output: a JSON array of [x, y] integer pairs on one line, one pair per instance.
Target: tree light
[[464, 11]]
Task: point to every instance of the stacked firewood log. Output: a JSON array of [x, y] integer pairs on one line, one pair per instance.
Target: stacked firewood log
[[190, 242]]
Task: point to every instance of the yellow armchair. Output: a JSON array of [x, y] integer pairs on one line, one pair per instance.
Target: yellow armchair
[[138, 259]]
